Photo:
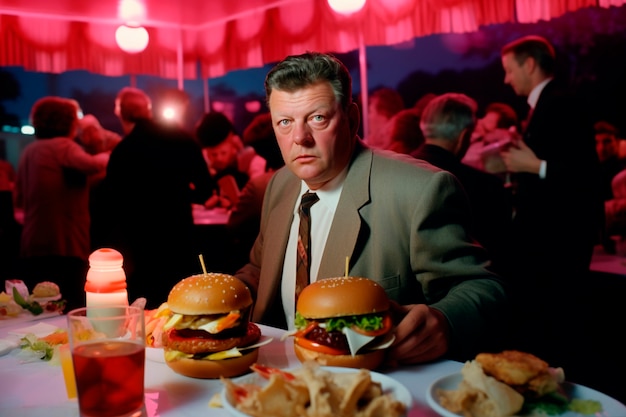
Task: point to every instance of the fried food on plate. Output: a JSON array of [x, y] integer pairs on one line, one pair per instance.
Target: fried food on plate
[[313, 391], [497, 384], [524, 371], [480, 395]]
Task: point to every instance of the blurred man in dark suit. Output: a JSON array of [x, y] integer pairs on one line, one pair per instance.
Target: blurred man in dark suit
[[154, 175], [558, 208]]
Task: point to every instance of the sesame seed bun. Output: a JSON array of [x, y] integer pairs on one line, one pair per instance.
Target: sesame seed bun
[[46, 289], [212, 293], [342, 296]]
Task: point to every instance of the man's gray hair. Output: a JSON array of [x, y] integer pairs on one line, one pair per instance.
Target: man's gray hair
[[299, 71], [447, 115]]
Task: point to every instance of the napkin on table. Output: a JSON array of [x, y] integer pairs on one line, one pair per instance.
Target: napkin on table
[[40, 330]]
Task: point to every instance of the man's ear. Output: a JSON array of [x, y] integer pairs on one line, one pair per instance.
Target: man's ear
[[463, 142], [354, 118], [530, 65]]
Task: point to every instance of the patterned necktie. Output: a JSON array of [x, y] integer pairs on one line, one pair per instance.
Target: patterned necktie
[[304, 242]]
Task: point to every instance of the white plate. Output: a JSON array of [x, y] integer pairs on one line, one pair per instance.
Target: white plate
[[389, 385], [26, 316], [155, 354], [610, 406]]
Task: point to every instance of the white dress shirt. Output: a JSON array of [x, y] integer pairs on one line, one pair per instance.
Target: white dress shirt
[[532, 100], [322, 214]]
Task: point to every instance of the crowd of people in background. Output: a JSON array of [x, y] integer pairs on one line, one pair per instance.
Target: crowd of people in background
[[534, 194]]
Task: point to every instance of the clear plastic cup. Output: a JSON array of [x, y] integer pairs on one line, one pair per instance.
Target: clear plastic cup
[[108, 355]]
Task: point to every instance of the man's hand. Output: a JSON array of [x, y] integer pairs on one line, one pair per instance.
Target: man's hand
[[422, 335], [521, 158], [212, 201]]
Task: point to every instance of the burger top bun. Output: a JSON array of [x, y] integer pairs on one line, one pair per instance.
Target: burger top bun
[[196, 295], [46, 289], [342, 296]]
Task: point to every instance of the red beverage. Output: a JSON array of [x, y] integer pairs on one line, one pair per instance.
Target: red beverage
[[109, 378]]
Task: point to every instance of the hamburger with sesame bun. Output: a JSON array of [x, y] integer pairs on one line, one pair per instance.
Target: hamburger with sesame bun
[[343, 321], [209, 328]]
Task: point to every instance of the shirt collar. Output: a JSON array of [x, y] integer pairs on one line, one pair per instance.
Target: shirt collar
[[331, 190], [533, 97]]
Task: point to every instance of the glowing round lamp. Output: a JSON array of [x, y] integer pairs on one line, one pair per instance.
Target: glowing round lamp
[[253, 106], [346, 6], [169, 113], [132, 39]]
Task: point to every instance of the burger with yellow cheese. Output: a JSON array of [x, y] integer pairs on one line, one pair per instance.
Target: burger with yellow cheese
[[209, 330]]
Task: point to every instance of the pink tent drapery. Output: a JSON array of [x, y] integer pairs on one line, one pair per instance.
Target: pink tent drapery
[[199, 38]]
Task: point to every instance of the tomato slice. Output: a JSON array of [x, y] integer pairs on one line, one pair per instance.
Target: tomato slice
[[387, 324], [266, 371], [301, 333], [308, 344]]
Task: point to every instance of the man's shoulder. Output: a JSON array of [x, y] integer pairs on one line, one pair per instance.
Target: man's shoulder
[[481, 181], [389, 161]]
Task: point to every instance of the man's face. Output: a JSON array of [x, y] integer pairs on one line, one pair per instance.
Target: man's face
[[222, 155], [316, 137], [517, 76], [606, 146], [490, 121]]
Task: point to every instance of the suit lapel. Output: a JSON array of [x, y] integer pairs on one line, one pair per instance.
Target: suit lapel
[[277, 231], [346, 225]]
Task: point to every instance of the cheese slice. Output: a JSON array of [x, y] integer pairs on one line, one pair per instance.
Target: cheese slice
[[213, 326], [173, 321], [225, 354], [171, 355], [356, 340]]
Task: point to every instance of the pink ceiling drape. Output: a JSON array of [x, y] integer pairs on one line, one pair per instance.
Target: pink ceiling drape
[[55, 39]]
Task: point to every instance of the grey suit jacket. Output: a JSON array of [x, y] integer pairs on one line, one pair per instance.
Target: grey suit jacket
[[403, 223]]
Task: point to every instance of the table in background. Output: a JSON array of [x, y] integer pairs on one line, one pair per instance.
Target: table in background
[[215, 216], [37, 389], [607, 263]]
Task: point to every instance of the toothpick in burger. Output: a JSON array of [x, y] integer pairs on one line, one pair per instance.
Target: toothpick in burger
[[209, 334], [344, 321]]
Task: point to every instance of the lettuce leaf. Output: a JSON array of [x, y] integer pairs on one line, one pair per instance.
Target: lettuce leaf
[[34, 307], [42, 349]]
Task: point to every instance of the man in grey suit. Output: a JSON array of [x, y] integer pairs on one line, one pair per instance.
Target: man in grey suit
[[393, 219]]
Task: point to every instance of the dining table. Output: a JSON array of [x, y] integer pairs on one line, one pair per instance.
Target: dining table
[[209, 216], [603, 262], [37, 388]]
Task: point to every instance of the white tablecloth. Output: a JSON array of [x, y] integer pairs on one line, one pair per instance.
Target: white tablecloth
[[37, 389]]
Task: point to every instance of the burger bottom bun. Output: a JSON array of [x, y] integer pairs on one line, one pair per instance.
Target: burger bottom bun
[[370, 360], [208, 369]]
